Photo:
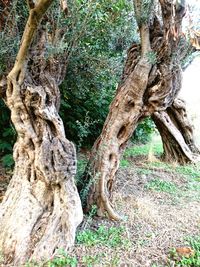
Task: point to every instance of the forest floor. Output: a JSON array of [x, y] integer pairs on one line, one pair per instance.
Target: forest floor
[[160, 206]]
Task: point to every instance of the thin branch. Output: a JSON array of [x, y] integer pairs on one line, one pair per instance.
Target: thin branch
[[35, 16]]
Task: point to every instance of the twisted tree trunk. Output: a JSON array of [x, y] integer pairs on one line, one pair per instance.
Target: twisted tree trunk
[[125, 110], [150, 83], [177, 134], [41, 208]]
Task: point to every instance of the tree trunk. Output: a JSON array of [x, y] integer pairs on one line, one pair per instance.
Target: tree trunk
[[150, 82], [177, 134], [41, 208], [122, 119]]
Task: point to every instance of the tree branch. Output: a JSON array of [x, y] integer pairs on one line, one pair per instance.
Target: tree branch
[[34, 19]]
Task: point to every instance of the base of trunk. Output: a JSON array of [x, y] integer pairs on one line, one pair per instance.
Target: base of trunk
[[36, 220]]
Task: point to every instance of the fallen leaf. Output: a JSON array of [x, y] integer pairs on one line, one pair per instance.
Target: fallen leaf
[[185, 252]]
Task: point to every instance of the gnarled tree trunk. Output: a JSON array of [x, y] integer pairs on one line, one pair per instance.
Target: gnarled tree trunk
[[122, 119], [150, 83], [177, 134], [41, 208]]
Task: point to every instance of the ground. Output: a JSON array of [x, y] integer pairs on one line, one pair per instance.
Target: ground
[[159, 204]]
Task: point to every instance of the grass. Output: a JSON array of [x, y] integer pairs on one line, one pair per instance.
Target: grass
[[144, 171], [104, 246], [109, 246], [110, 237], [161, 186], [62, 259], [124, 163], [192, 171], [155, 147]]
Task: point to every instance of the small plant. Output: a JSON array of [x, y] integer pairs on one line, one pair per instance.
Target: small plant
[[124, 163], [161, 186], [62, 259], [111, 237], [115, 261], [152, 57], [84, 128], [89, 260]]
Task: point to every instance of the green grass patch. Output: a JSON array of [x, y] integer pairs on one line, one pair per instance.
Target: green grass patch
[[124, 163], [144, 171], [139, 150], [192, 171], [111, 237], [62, 260], [161, 186]]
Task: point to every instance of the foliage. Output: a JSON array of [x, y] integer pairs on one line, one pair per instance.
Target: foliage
[[152, 57], [103, 32], [161, 186], [111, 237], [144, 130], [12, 26], [95, 42], [62, 259], [124, 163], [7, 136]]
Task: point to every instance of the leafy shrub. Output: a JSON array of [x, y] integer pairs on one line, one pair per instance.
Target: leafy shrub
[[7, 136], [143, 131], [95, 65]]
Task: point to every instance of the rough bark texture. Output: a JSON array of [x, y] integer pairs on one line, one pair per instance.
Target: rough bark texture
[[177, 134], [41, 208], [151, 81]]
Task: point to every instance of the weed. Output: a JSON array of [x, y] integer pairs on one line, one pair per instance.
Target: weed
[[152, 57], [111, 237], [89, 260], [161, 186], [124, 163], [62, 259], [89, 217], [144, 171]]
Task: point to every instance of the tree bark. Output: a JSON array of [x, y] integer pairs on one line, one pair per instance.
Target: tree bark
[[151, 81], [177, 134], [41, 208], [122, 119]]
